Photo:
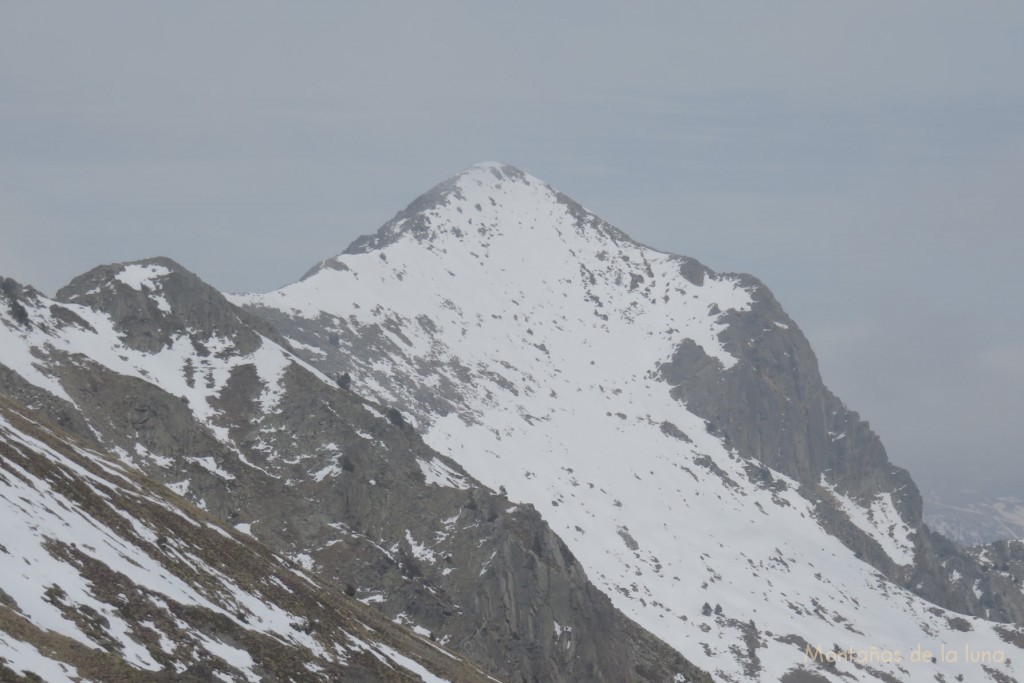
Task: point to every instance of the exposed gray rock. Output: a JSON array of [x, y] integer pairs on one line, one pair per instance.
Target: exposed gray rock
[[146, 326], [338, 485], [244, 588], [773, 407]]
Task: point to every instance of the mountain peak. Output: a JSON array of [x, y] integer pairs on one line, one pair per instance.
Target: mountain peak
[[151, 301], [483, 205], [467, 191], [496, 171], [143, 275]]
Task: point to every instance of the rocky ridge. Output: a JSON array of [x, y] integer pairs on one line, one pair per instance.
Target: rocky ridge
[[109, 576], [610, 385], [150, 363]]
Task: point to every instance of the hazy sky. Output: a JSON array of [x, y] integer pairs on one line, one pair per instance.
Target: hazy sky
[[865, 160]]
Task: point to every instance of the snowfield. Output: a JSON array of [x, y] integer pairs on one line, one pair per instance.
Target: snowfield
[[534, 332], [524, 338]]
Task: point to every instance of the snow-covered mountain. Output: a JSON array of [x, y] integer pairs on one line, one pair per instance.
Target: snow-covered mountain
[[147, 362], [508, 427], [668, 422]]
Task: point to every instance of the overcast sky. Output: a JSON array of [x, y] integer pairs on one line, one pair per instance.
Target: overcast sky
[[864, 159]]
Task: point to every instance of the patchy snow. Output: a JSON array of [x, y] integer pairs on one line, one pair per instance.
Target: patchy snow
[[420, 551], [23, 657], [166, 645], [239, 659], [271, 365], [209, 464], [438, 474], [142, 277], [32, 515], [404, 619], [299, 346], [180, 487], [332, 470], [181, 368], [20, 350], [304, 560], [550, 327], [49, 586], [881, 521], [409, 664]]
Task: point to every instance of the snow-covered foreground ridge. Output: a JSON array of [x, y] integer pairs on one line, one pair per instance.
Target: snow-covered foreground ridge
[[106, 576], [550, 354]]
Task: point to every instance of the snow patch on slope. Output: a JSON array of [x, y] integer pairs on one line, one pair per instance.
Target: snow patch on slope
[[58, 507], [26, 658], [881, 521], [140, 277], [197, 374], [438, 474], [145, 278]]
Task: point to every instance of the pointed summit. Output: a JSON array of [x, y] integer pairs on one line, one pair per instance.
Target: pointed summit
[[488, 178], [499, 170], [480, 206], [146, 276]]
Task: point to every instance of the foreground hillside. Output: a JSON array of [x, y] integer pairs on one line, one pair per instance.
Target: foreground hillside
[[108, 576]]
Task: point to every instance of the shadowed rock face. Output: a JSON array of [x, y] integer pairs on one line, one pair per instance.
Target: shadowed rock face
[[772, 406], [327, 479]]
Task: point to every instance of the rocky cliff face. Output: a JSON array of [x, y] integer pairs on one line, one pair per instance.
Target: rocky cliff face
[[773, 407], [152, 364], [107, 575], [651, 408], [1003, 561]]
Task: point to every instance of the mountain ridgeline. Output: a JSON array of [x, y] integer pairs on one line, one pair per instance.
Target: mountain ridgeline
[[496, 438]]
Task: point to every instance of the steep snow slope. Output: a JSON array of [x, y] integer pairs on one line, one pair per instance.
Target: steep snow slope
[[533, 342], [150, 363], [105, 575]]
